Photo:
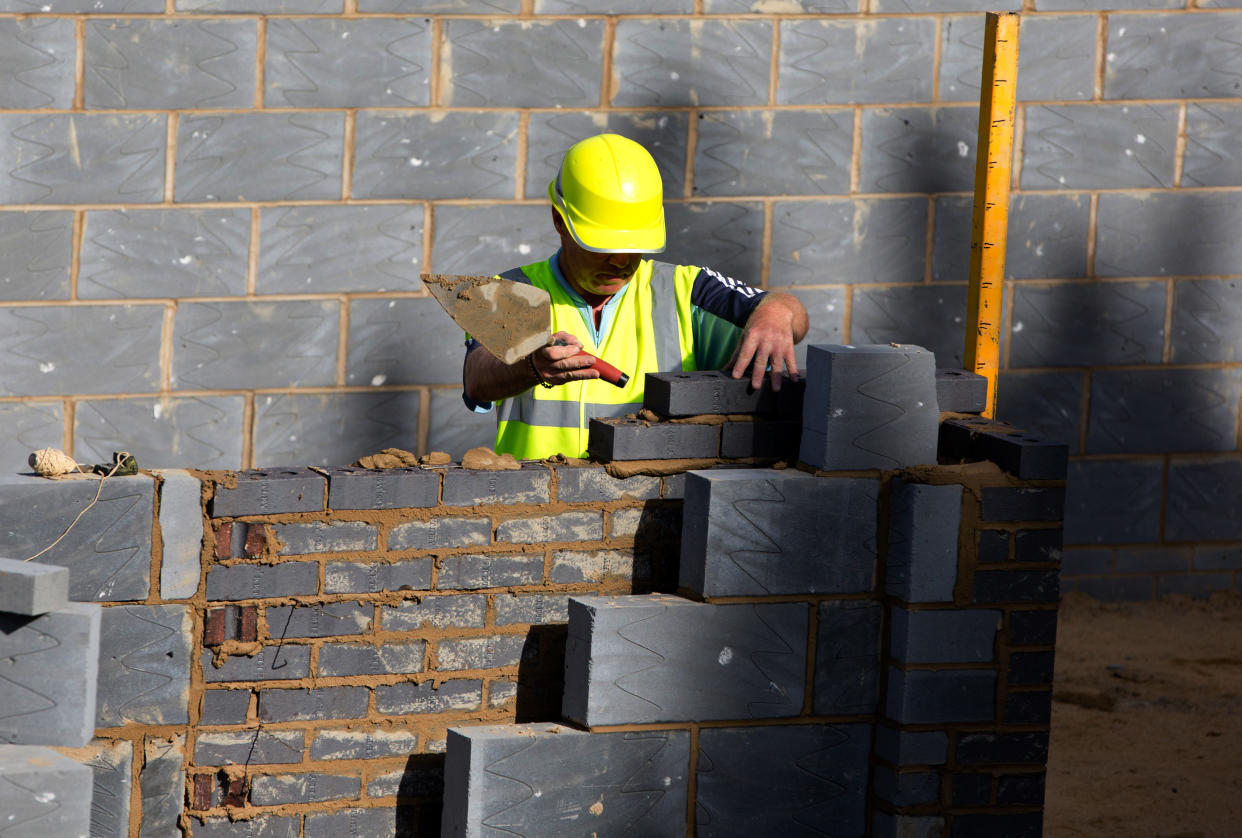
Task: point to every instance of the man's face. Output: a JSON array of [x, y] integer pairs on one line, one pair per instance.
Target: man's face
[[601, 274]]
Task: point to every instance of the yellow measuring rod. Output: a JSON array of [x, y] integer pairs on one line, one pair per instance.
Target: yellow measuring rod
[[990, 219]]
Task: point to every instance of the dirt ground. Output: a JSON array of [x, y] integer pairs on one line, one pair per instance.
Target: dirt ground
[[1147, 720]]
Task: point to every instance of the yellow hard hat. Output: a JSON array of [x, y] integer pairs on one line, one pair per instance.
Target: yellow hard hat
[[610, 196]]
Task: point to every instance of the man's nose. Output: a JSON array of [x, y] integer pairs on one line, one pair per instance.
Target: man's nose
[[622, 260]]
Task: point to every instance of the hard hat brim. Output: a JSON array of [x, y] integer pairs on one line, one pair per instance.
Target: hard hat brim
[[599, 239]]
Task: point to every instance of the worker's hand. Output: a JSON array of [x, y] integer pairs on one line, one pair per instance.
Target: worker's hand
[[560, 362], [771, 331]]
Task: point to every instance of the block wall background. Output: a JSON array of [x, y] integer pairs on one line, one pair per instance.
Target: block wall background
[[214, 214]]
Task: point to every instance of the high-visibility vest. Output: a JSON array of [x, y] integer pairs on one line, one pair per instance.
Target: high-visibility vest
[[651, 331]]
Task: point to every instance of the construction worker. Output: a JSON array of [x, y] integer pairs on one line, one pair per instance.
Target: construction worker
[[639, 315]]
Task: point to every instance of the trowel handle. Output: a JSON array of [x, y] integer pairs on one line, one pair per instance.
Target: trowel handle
[[606, 370]]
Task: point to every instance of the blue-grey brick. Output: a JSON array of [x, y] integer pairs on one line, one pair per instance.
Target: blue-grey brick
[[847, 657], [638, 439], [646, 523], [417, 156], [108, 550], [225, 707], [904, 747], [441, 533], [550, 134], [42, 705], [490, 239], [39, 354], [660, 658], [523, 64], [455, 429], [181, 532], [1204, 500], [476, 571], [164, 253], [161, 782], [198, 431], [340, 248], [1217, 558], [1207, 313], [1001, 586], [252, 581], [1056, 61], [285, 662], [854, 240], [1046, 404], [379, 820], [595, 485], [726, 236], [923, 697], [249, 747], [261, 6], [144, 673], [982, 748], [263, 826], [32, 588], [301, 705], [1197, 585], [906, 788], [362, 744], [327, 620], [1083, 562], [403, 341], [1115, 501], [758, 532], [359, 488], [1163, 410], [82, 158], [1038, 545], [1111, 323], [27, 427], [501, 693], [569, 566], [38, 70], [30, 779], [922, 541], [461, 611], [1099, 146], [924, 315], [626, 783], [388, 658], [479, 652], [544, 529], [1157, 234], [313, 787], [1047, 237], [325, 63], [427, 698], [748, 152], [1172, 56], [919, 149], [423, 779], [735, 6], [1209, 160], [809, 777], [1115, 588], [329, 537], [855, 62], [254, 344], [376, 577], [552, 7], [1021, 503], [684, 62], [1033, 628], [1153, 559], [39, 249], [469, 487], [1084, 5], [158, 64], [535, 609], [333, 429], [955, 636], [300, 157]]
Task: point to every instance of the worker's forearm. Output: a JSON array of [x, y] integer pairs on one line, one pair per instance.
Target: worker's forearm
[[489, 379]]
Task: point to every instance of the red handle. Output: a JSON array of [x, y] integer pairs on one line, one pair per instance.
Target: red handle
[[607, 371]]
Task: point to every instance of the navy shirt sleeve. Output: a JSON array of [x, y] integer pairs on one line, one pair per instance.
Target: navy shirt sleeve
[[724, 296]]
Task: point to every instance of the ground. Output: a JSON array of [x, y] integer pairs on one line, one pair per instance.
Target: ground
[[1147, 720]]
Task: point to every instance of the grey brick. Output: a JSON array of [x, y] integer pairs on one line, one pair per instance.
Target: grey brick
[[534, 609], [1197, 585], [960, 391], [476, 571], [329, 537], [637, 439], [1032, 707], [1207, 313], [628, 783], [674, 486], [906, 826], [380, 820], [277, 345], [1129, 146], [353, 578], [108, 550], [1114, 323], [847, 657], [692, 393], [746, 152], [646, 524], [595, 485], [1217, 558], [808, 776], [1014, 748], [263, 826], [170, 64], [1163, 410], [271, 663], [122, 354], [759, 532], [82, 158], [249, 747], [261, 6], [956, 636], [1047, 236], [683, 62], [1032, 628], [1086, 561], [919, 149], [924, 315], [441, 533], [387, 658], [312, 787], [439, 612], [323, 63], [144, 674], [386, 335], [493, 652], [29, 776], [1057, 59], [39, 72], [923, 697], [181, 532], [814, 241], [416, 156], [1167, 57], [161, 783], [269, 492], [490, 239], [569, 566], [1208, 160], [1016, 452], [1115, 501], [454, 429], [1046, 404], [424, 779], [723, 233], [1115, 588], [302, 705], [40, 248], [333, 428], [922, 542], [523, 64], [1021, 503], [552, 7], [225, 707], [1000, 586], [659, 658], [362, 744], [358, 488], [1030, 668], [1204, 500], [904, 6], [544, 529], [328, 620], [855, 62], [198, 431], [869, 407], [255, 581], [762, 439], [1038, 545], [111, 763], [1153, 559], [906, 788], [904, 747], [1156, 234], [300, 158], [32, 588], [991, 546], [427, 698], [501, 693], [467, 487]]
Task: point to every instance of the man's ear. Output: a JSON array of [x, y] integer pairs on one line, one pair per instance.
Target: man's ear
[[558, 222]]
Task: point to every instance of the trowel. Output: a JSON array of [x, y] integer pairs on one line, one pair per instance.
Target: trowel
[[511, 319]]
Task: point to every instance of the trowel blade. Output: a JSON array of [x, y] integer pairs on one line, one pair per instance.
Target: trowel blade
[[511, 319]]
